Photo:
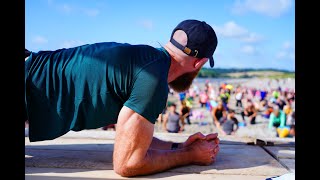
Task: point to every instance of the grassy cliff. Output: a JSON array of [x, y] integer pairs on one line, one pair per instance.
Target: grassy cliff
[[245, 73]]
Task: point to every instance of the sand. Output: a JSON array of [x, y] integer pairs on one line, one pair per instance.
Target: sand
[[205, 124]]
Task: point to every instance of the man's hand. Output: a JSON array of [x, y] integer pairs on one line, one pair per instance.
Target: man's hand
[[200, 136], [193, 138], [204, 152], [213, 137], [204, 148]]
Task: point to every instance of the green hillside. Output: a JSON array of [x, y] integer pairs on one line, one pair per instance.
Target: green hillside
[[245, 73]]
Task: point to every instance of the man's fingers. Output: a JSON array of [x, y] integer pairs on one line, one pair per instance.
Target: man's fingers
[[213, 157], [216, 150], [211, 136], [193, 138], [215, 146], [196, 136], [217, 140]]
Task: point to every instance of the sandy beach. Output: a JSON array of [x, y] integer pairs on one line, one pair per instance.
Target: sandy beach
[[205, 125]]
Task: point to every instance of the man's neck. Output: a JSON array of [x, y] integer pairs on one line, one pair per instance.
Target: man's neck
[[175, 67]]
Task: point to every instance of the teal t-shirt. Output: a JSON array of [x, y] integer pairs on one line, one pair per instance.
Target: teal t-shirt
[[85, 87], [280, 119]]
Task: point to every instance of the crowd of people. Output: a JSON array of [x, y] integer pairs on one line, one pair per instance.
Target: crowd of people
[[275, 105]]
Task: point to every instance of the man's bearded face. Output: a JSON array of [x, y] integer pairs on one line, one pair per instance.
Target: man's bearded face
[[183, 82]]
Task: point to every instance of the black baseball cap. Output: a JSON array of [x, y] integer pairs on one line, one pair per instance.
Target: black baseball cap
[[202, 40]]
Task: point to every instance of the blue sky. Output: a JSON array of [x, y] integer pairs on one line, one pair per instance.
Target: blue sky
[[251, 33]]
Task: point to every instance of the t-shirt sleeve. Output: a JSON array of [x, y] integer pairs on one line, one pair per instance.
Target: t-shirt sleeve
[[149, 93], [282, 119], [271, 119]]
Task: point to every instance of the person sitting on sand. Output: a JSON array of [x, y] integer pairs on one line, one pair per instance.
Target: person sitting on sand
[[276, 93], [292, 124], [218, 112], [280, 102], [173, 122], [249, 111], [265, 108], [277, 118], [287, 109], [229, 124], [289, 130]]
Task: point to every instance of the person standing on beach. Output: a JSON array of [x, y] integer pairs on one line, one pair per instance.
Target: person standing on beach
[[263, 94], [203, 98], [94, 85], [224, 96], [185, 111], [238, 97]]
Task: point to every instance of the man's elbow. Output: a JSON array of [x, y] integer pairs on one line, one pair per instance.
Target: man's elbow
[[128, 170], [123, 171]]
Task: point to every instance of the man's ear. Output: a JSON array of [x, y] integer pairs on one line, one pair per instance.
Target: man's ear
[[200, 62]]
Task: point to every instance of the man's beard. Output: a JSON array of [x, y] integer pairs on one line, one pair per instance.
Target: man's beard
[[183, 82]]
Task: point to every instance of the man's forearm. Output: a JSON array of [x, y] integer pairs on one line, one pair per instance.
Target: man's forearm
[[158, 160], [160, 144]]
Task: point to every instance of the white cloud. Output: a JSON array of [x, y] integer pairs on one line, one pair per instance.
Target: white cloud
[[66, 8], [91, 12], [50, 2], [285, 55], [248, 49], [147, 24], [292, 55], [281, 54], [233, 30], [272, 8], [288, 45], [39, 40], [71, 43], [252, 37], [287, 51]]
